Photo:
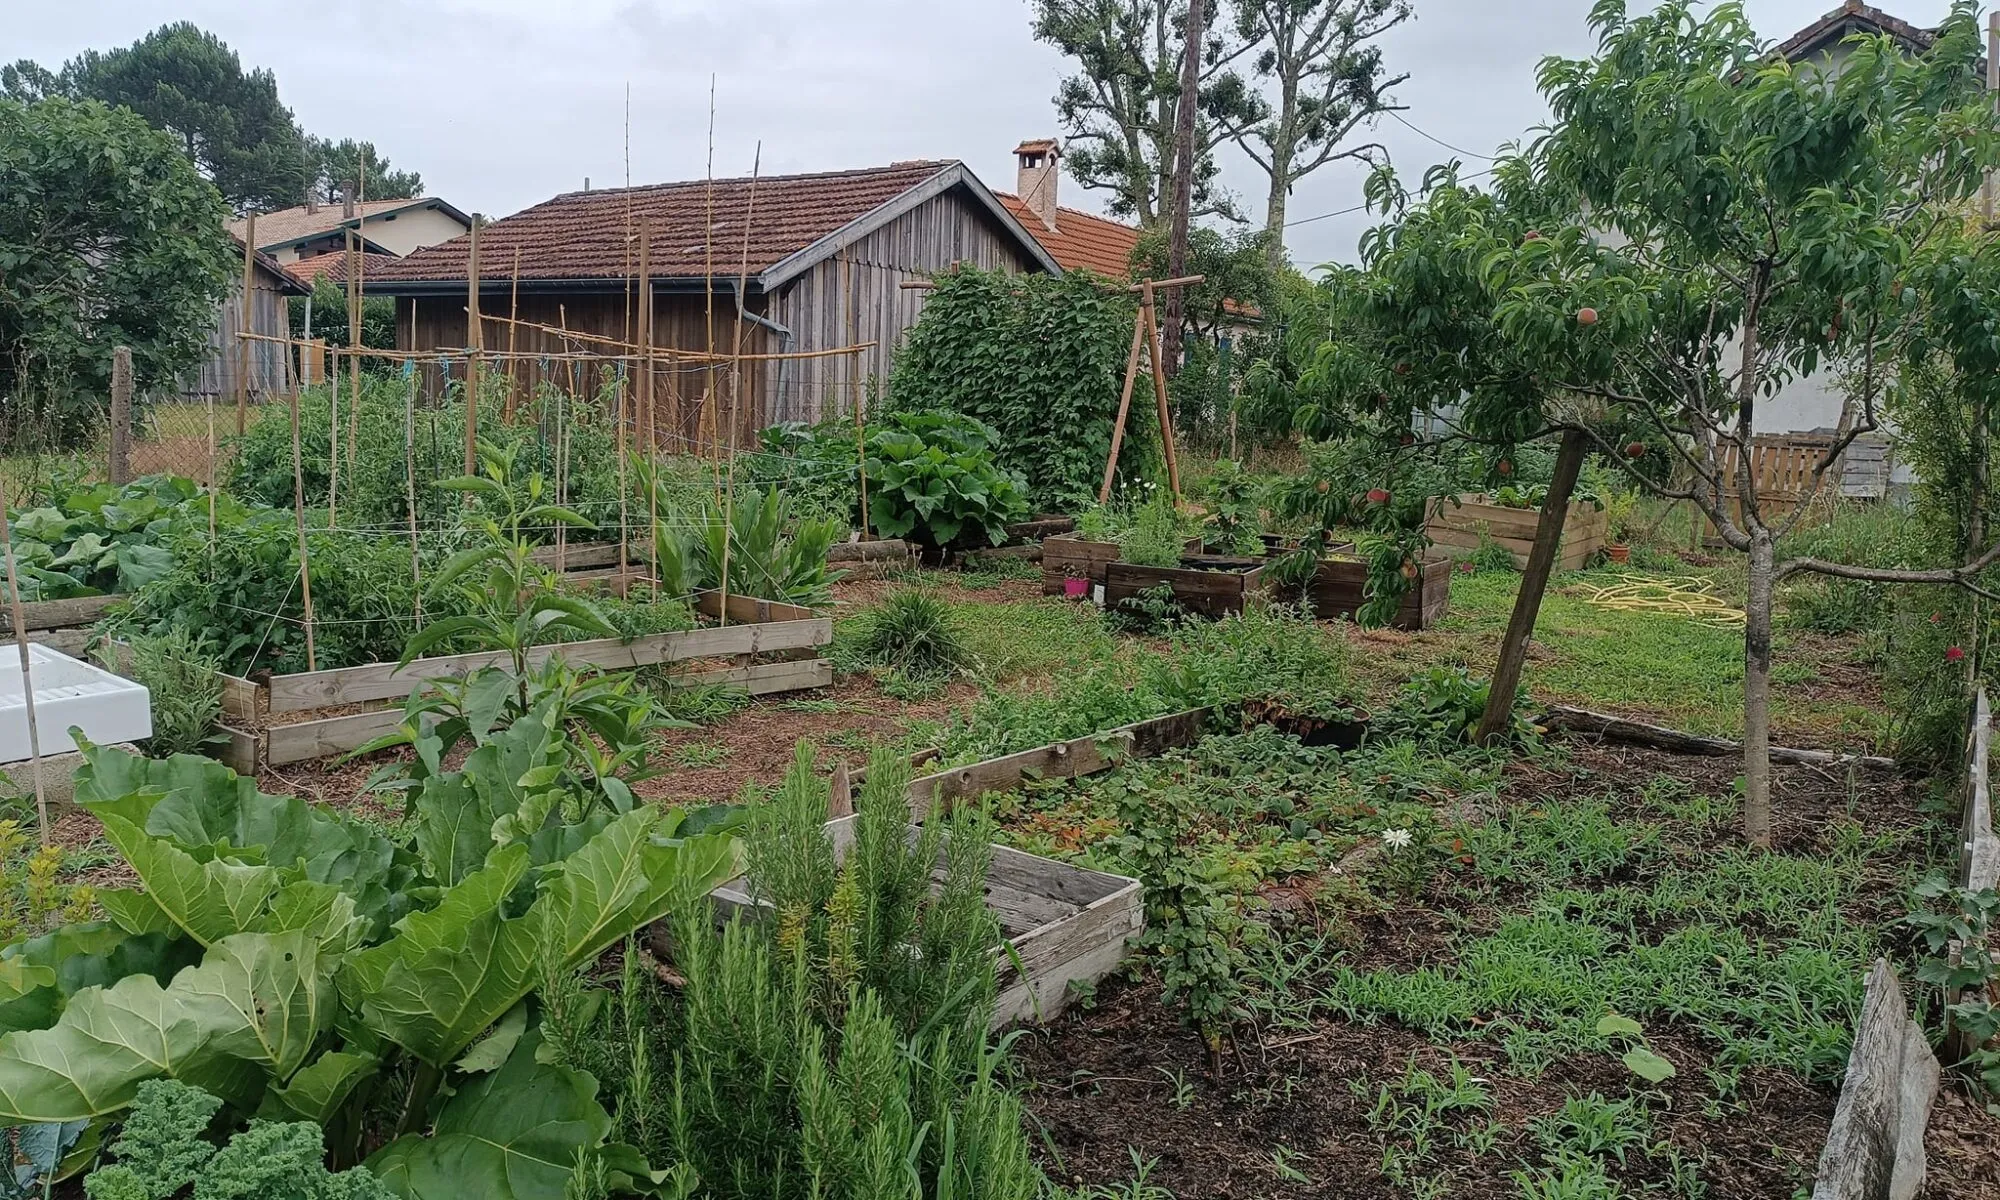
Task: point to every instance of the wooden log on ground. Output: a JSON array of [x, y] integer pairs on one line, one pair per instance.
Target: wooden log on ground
[[1875, 1148], [1039, 528], [64, 614], [1658, 737], [892, 550]]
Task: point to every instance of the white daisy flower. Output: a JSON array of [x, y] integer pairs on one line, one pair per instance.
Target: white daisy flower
[[1397, 839]]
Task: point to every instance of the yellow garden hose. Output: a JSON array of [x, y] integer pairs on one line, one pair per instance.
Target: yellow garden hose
[[1690, 596]]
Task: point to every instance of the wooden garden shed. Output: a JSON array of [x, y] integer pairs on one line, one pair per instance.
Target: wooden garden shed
[[268, 315], [819, 258]]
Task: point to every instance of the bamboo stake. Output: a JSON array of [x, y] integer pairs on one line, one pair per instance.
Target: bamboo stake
[[299, 516], [333, 439], [562, 530], [649, 402], [853, 371], [354, 269], [736, 386], [242, 347], [475, 339], [708, 300], [513, 311], [1160, 393], [1992, 87], [410, 483], [20, 622], [1124, 405]]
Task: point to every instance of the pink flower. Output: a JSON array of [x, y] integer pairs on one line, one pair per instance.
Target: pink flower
[[1936, 617], [1954, 655], [1466, 568]]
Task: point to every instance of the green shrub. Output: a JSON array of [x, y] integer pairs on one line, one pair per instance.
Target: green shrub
[[914, 634], [834, 1042], [818, 466], [178, 670], [1157, 535], [932, 477], [774, 552]]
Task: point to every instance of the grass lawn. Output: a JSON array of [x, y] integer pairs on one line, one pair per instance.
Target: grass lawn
[[1665, 667]]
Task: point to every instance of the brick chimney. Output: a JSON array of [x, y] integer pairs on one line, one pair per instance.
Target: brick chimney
[[347, 203], [1037, 176]]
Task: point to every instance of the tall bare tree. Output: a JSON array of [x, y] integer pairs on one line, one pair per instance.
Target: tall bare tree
[[1118, 110], [1319, 77]]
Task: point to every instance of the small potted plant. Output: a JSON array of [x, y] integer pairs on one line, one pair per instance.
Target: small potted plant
[[1621, 510]]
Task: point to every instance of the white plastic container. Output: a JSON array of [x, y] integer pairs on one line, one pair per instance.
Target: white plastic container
[[107, 708]]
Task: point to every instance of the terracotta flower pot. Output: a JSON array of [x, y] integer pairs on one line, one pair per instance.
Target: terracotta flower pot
[[1619, 553]]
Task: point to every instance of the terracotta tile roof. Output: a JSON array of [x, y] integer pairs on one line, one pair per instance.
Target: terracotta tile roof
[[295, 224], [333, 265], [1080, 239], [281, 280], [582, 235], [1850, 18]]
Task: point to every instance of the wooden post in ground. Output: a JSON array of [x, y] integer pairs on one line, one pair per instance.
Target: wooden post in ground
[[1160, 390], [20, 623], [353, 344], [299, 516], [1534, 585], [513, 317], [474, 336], [121, 416], [1124, 405], [243, 326]]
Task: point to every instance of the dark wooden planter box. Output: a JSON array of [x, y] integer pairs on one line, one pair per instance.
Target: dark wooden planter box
[[1339, 590], [1070, 557], [1210, 585]]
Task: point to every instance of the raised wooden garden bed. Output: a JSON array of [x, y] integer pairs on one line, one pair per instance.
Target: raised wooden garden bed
[[1064, 923], [1457, 528], [1212, 585], [1339, 590], [283, 718], [1070, 557]]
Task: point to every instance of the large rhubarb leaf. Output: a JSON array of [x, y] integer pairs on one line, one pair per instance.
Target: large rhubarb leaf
[[38, 976], [512, 1135], [450, 973], [319, 1089], [207, 811], [210, 900], [255, 1002]]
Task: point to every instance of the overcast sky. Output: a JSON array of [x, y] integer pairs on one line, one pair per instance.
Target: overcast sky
[[503, 103]]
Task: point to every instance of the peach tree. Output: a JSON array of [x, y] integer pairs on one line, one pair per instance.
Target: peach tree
[[1705, 222]]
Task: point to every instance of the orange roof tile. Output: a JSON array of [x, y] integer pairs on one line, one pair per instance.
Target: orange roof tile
[[582, 235], [1080, 239], [333, 265]]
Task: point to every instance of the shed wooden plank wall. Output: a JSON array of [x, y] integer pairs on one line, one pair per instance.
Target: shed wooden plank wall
[[944, 230], [270, 368]]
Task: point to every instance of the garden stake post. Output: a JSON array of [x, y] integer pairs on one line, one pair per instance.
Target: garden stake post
[[354, 269], [847, 322], [736, 382], [513, 368], [1148, 315], [333, 438], [650, 446], [707, 420], [299, 515], [474, 342], [1534, 584], [243, 347], [121, 416], [20, 622], [410, 481], [1124, 406], [562, 447]]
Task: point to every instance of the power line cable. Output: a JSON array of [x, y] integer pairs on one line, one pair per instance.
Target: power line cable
[[1440, 141], [1342, 212]]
